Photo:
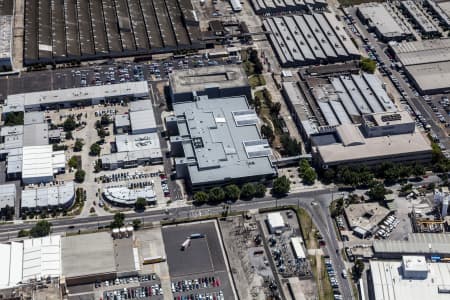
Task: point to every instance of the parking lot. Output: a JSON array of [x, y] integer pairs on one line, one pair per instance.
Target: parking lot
[[200, 269], [102, 74]]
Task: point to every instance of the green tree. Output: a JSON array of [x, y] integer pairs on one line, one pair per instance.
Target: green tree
[[377, 192], [98, 166], [136, 224], [95, 149], [418, 170], [79, 175], [140, 204], [105, 120], [358, 269], [368, 65], [23, 233], [291, 146], [69, 135], [73, 162], [216, 195], [328, 175], [78, 145], [260, 190], [232, 192], [69, 124], [101, 133], [14, 118], [248, 190], [281, 186], [267, 132], [309, 176], [303, 166], [42, 228], [118, 220], [200, 197]]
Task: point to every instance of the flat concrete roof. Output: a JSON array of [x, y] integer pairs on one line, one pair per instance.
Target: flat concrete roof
[[6, 35], [87, 254], [384, 19], [389, 282], [215, 141], [366, 215], [138, 88], [142, 120], [199, 79], [375, 148], [431, 77], [35, 134], [421, 52], [415, 244]]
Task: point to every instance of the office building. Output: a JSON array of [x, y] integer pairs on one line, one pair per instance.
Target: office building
[[217, 142]]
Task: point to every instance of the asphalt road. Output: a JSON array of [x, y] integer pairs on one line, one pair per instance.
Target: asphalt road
[[319, 214]]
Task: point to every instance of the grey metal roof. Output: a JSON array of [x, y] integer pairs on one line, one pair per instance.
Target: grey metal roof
[[421, 52], [35, 134], [328, 113], [417, 243], [381, 17], [319, 35], [358, 99], [289, 43], [296, 101], [309, 36], [143, 104], [340, 112], [299, 38], [419, 16], [330, 35], [346, 99], [368, 94], [376, 85], [33, 117], [217, 141], [143, 120], [7, 195]]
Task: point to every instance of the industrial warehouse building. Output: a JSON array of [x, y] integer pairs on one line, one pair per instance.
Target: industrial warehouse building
[[30, 260], [48, 197], [381, 19], [441, 9], [214, 82], [432, 246], [6, 34], [74, 260], [58, 31], [75, 96], [217, 142], [7, 195], [420, 19], [426, 63], [141, 146], [309, 39], [280, 6], [410, 278], [350, 119]]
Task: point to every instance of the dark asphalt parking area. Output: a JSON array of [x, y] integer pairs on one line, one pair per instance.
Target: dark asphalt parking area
[[202, 259]]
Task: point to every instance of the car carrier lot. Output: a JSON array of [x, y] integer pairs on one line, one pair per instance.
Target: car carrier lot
[[202, 259]]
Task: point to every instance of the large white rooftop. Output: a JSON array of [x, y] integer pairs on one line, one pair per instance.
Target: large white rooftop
[[32, 259], [139, 88], [389, 282]]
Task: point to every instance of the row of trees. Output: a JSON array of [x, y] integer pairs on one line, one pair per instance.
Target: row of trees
[[363, 176], [230, 192]]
